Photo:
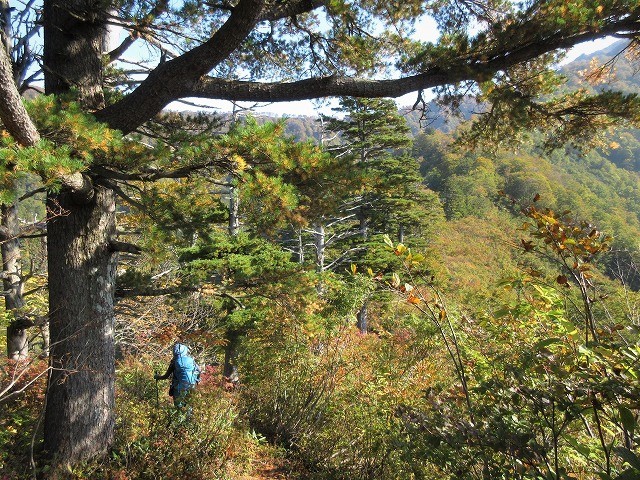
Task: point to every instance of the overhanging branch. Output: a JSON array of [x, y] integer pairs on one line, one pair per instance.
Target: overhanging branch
[[184, 76], [165, 83], [472, 67]]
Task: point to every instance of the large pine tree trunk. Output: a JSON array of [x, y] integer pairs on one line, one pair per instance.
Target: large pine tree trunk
[[79, 418]]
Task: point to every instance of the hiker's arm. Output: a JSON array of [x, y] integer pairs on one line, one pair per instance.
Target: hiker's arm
[[167, 373]]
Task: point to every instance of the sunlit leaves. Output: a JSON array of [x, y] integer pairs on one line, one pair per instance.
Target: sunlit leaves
[[71, 141], [282, 182], [578, 241], [578, 118]]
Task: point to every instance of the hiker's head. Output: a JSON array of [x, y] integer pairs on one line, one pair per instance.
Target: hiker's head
[[180, 349]]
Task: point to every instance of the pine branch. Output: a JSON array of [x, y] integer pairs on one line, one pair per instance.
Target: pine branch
[[152, 292], [151, 175], [124, 247]]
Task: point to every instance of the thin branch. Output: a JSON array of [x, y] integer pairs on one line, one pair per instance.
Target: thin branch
[[32, 193], [152, 174], [152, 292], [125, 247]]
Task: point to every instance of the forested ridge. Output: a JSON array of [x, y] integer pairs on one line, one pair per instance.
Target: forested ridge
[[376, 293]]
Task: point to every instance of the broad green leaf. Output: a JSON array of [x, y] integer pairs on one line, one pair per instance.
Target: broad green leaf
[[627, 418], [629, 474], [546, 342], [579, 447], [628, 456]]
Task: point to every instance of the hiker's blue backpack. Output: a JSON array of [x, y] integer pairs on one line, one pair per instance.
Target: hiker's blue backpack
[[185, 371]]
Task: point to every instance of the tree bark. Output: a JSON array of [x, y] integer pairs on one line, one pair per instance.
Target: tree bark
[[300, 246], [18, 339], [11, 265], [362, 318], [5, 25], [12, 111], [12, 281], [79, 418], [319, 239], [230, 369], [74, 39], [234, 210]]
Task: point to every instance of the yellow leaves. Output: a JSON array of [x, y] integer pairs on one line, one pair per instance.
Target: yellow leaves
[[597, 73], [209, 289], [239, 162], [599, 9], [400, 249]]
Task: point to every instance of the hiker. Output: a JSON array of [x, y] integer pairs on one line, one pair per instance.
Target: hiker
[[185, 374]]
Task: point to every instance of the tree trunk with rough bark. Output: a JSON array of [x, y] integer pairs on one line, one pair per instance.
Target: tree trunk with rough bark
[[230, 369], [18, 339], [79, 417], [11, 265], [12, 281], [299, 246]]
